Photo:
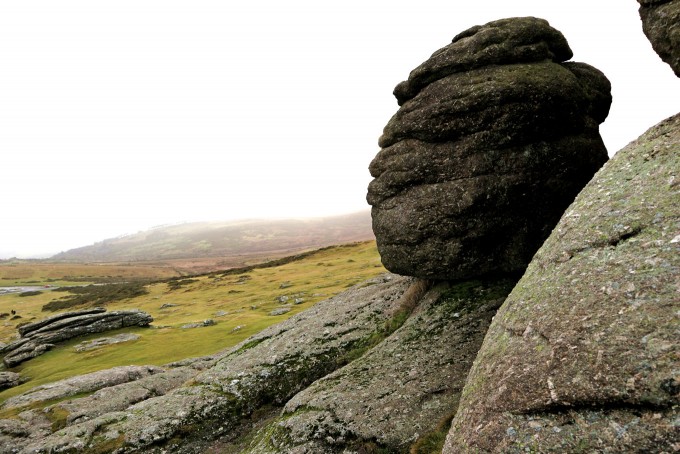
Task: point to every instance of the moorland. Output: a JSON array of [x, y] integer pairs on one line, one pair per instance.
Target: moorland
[[195, 314]]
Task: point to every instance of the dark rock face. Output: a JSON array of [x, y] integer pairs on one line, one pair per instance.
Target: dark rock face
[[661, 25], [39, 337], [493, 140], [582, 357], [9, 380]]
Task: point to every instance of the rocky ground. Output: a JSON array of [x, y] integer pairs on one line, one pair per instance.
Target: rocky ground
[[579, 355]]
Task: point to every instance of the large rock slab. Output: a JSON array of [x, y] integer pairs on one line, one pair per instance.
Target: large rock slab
[[39, 337], [400, 391], [583, 355], [494, 138], [661, 25], [266, 369], [80, 384]]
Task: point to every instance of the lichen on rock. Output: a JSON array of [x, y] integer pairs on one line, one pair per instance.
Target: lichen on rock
[[401, 389], [583, 354]]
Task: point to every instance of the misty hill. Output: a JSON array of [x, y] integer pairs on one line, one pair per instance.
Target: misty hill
[[226, 239]]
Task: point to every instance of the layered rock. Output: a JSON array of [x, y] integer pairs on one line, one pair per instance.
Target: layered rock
[[583, 354], [400, 391], [9, 380], [266, 369], [661, 25], [494, 138], [80, 384], [39, 337]]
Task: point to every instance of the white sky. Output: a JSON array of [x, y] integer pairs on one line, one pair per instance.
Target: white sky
[[119, 116]]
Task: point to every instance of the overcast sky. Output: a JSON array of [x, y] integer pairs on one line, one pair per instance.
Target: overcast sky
[[119, 116]]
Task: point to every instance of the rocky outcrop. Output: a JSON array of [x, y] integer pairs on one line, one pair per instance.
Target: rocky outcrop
[[400, 391], [39, 337], [494, 138], [267, 369], [9, 380], [100, 393], [582, 357], [80, 384], [661, 25]]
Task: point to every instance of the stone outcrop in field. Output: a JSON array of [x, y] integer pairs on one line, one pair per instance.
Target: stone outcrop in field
[[582, 357], [39, 337], [267, 369], [661, 24], [494, 138]]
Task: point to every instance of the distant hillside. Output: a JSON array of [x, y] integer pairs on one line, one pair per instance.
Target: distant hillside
[[225, 239]]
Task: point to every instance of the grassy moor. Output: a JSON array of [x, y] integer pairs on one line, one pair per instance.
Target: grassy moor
[[193, 315]]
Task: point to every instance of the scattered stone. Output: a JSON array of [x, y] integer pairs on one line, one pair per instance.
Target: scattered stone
[[285, 284], [282, 299], [661, 25], [494, 138], [280, 310], [237, 328], [97, 343], [221, 313], [9, 380], [168, 306], [39, 337], [601, 367], [299, 301]]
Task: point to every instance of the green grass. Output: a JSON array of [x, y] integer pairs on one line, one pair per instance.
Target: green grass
[[240, 305]]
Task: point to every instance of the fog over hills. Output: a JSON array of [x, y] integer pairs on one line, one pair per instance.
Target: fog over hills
[[222, 239]]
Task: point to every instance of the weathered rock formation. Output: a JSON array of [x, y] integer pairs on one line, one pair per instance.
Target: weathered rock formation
[[583, 355], [39, 337], [9, 380], [81, 384], [400, 391], [494, 138], [661, 24], [267, 369]]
